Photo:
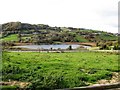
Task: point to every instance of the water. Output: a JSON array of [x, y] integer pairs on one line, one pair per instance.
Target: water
[[61, 46]]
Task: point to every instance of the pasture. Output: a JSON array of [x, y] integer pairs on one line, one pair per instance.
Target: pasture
[[58, 70]]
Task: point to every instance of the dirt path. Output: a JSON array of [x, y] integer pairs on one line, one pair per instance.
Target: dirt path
[[115, 79], [116, 51], [15, 83]]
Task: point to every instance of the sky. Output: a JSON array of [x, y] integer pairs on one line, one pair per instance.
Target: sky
[[90, 14]]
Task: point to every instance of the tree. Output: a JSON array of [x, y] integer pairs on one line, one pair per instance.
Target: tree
[[70, 47], [116, 47], [19, 36]]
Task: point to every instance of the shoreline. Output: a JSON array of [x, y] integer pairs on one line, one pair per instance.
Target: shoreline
[[79, 43]]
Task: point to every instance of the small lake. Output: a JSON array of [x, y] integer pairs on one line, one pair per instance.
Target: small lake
[[60, 46]]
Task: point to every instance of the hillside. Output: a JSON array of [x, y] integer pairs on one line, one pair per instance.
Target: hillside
[[40, 33]]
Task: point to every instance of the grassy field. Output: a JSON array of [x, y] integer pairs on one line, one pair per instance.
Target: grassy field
[[107, 37], [58, 70], [13, 37], [80, 39]]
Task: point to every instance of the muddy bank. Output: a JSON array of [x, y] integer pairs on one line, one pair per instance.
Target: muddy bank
[[87, 44]]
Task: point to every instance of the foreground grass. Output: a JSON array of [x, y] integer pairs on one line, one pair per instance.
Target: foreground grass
[[9, 88], [58, 70]]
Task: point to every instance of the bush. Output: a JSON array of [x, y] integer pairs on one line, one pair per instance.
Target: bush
[[116, 47], [70, 47], [49, 82]]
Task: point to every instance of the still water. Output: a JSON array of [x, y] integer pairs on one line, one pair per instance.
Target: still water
[[61, 46]]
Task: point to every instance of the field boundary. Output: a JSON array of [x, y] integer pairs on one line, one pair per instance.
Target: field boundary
[[96, 87], [63, 51]]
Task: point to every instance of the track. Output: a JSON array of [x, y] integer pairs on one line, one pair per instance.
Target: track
[[115, 86]]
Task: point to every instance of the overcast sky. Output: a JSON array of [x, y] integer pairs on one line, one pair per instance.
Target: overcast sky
[[91, 14]]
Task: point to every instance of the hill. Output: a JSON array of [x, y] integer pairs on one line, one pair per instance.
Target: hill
[[40, 33]]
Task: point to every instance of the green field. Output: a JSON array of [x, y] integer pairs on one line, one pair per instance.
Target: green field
[[80, 39], [107, 37], [58, 70], [13, 37]]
